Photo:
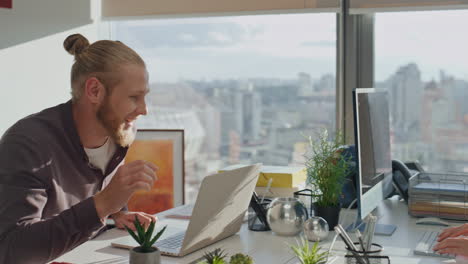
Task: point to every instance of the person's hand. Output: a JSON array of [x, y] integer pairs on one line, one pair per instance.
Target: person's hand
[[453, 232], [123, 219], [130, 177], [452, 245]]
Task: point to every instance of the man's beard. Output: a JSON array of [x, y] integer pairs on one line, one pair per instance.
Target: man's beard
[[115, 127]]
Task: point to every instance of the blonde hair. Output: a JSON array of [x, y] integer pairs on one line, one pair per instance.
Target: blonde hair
[[102, 60]]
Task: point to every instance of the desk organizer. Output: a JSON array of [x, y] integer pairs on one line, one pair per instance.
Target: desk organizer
[[443, 195], [373, 256]]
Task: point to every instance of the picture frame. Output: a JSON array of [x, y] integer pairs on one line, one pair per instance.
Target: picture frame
[[164, 148]]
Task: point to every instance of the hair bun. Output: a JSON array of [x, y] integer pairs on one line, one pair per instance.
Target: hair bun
[[75, 44]]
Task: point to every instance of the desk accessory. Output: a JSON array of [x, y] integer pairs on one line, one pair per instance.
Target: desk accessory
[[316, 229], [327, 169], [349, 245], [283, 176], [219, 257], [363, 247], [258, 220], [286, 216], [346, 238], [372, 256], [443, 195], [401, 175], [145, 253], [307, 255], [267, 189], [306, 196], [369, 231]]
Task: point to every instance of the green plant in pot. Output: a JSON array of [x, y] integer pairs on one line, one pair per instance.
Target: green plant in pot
[[307, 255], [326, 174], [145, 253], [219, 257]]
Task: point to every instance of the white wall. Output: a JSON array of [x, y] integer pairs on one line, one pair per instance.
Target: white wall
[[34, 66]]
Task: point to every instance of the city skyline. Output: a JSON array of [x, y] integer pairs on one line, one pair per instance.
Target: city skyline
[[264, 120]]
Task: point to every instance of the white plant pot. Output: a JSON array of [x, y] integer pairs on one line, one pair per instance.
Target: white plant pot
[[138, 257]]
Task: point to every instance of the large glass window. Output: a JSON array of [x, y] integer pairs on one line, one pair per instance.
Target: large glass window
[[246, 89], [422, 60]]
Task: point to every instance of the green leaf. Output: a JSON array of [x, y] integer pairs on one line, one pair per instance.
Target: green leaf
[[326, 167], [139, 228], [156, 237], [307, 255], [148, 234], [133, 234]]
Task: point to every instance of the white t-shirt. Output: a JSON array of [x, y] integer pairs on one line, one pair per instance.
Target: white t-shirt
[[99, 157]]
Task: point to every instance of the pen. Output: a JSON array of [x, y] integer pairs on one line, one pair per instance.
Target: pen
[[366, 231], [331, 248], [370, 235], [345, 234], [364, 252], [350, 246], [266, 190]]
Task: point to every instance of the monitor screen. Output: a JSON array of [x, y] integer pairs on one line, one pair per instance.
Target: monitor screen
[[372, 131]]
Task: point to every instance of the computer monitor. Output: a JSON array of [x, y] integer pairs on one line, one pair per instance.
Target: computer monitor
[[372, 138]]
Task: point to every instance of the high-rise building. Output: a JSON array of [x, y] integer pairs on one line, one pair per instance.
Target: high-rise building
[[252, 115], [405, 91], [305, 85]]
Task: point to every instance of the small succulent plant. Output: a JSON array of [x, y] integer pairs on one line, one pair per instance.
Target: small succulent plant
[[240, 258], [218, 257], [215, 257], [307, 255], [144, 238]]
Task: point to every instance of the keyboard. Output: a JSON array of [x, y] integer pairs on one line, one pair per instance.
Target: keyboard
[[184, 210], [172, 242], [426, 244], [181, 212]]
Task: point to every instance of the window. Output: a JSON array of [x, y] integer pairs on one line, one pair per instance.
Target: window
[[246, 89], [421, 59]]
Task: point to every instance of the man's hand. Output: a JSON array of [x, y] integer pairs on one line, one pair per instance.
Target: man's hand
[[130, 177], [453, 232], [453, 245], [123, 219]]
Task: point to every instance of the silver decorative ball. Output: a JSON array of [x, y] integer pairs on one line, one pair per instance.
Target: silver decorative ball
[[286, 216], [316, 229]]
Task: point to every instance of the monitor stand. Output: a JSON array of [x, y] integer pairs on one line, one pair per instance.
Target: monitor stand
[[380, 229]]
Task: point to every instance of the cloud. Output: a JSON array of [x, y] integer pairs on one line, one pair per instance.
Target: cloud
[[183, 35]]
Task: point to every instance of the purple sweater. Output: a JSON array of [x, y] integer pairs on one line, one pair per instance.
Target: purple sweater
[[46, 188]]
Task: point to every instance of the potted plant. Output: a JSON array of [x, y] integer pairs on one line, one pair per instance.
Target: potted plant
[[145, 253], [240, 258], [219, 257], [326, 174], [307, 255]]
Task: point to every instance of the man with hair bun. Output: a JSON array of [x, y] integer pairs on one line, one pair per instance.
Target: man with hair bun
[[62, 171]]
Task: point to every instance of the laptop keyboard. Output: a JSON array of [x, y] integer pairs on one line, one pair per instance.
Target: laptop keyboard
[[173, 242], [184, 210], [427, 243]]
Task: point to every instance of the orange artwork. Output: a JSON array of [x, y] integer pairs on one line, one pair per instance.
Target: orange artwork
[[161, 197]]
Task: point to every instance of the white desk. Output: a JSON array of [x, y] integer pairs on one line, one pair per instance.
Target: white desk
[[265, 247]]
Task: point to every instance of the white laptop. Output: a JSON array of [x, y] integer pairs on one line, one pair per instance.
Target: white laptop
[[217, 214]]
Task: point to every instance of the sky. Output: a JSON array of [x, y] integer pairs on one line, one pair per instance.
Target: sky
[[434, 40], [281, 46]]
